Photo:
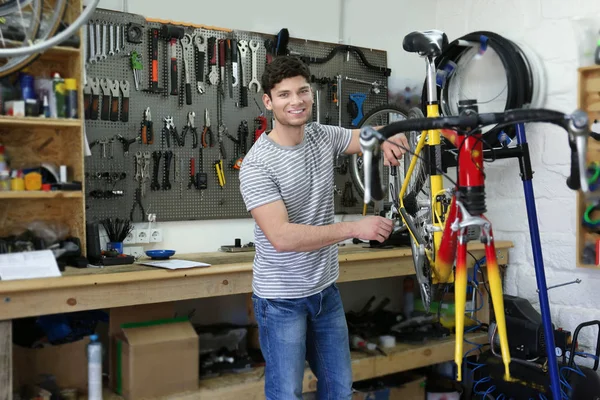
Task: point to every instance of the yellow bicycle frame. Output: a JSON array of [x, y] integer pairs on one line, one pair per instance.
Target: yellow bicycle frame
[[440, 274]]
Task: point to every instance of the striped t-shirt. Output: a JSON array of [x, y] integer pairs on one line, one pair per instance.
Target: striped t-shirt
[[303, 177]]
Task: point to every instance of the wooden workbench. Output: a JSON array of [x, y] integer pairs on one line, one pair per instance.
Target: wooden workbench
[[229, 274]]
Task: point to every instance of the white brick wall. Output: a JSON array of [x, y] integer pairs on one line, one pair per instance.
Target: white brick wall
[[547, 27]]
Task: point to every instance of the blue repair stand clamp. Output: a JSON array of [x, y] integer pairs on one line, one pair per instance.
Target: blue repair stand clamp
[[358, 99]]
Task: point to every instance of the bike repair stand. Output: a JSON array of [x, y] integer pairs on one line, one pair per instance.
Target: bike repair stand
[[521, 151]]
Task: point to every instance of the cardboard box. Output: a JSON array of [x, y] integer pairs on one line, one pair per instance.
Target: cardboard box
[[413, 390], [157, 358], [131, 314], [66, 362]]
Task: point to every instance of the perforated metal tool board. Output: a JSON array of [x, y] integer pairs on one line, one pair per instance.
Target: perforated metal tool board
[[105, 166]]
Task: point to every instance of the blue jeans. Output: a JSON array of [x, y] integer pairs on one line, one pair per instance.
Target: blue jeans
[[311, 328]]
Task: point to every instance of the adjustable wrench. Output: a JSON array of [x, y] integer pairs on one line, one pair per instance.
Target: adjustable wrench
[[186, 45], [114, 102], [200, 43], [92, 38], [105, 113], [243, 49], [254, 45]]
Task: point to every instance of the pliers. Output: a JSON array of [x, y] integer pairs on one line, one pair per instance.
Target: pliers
[[137, 202], [170, 129], [191, 128], [207, 131]]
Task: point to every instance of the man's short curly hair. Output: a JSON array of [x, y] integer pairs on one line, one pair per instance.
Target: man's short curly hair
[[281, 68]]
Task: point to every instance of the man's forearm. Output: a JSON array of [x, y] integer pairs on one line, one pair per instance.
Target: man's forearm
[[302, 238]]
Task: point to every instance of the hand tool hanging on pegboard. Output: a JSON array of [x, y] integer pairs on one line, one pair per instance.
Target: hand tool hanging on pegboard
[[200, 61], [213, 51], [186, 53], [172, 34], [243, 52], [153, 58]]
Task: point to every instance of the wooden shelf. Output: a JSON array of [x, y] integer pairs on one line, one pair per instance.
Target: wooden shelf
[[35, 194], [403, 357], [39, 122], [589, 101]]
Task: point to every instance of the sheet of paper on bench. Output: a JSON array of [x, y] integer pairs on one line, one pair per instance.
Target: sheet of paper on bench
[[28, 265], [174, 264]]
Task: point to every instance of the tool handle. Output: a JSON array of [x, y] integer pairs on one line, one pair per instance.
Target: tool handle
[[192, 166], [212, 51], [200, 59], [105, 113], [188, 94], [174, 90], [87, 102], [154, 59], [244, 96], [150, 132], [234, 51], [95, 105], [114, 109], [221, 53], [125, 109]]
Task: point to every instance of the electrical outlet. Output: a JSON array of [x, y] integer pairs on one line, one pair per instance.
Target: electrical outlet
[[136, 251], [131, 238], [143, 236], [156, 235]]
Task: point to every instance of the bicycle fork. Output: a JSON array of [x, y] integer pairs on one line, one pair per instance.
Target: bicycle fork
[[459, 227]]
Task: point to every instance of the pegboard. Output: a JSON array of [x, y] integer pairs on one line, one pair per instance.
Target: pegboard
[[110, 172]]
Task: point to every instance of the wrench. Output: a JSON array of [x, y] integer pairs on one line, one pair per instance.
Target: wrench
[[186, 44], [118, 34], [92, 30], [243, 49], [111, 29], [254, 45], [200, 43], [98, 38], [104, 40]]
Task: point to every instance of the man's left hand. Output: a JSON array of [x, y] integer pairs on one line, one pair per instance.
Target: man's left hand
[[394, 151]]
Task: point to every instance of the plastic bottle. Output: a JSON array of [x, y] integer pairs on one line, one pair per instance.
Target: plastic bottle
[[94, 355], [597, 56], [71, 97]]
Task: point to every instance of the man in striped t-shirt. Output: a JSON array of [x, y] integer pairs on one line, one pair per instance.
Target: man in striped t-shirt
[[287, 182]]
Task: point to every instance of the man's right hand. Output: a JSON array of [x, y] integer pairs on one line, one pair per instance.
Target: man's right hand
[[374, 228]]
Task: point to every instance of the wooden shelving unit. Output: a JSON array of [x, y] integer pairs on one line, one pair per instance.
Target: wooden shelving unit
[[589, 101], [30, 141], [403, 357]]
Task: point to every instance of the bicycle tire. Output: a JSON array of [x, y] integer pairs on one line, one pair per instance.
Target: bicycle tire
[[355, 161], [60, 9]]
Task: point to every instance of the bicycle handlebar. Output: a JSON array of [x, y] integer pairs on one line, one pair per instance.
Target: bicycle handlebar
[[576, 124]]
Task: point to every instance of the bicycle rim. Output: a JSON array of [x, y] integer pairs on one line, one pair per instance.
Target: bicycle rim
[[44, 26], [417, 203], [381, 115]]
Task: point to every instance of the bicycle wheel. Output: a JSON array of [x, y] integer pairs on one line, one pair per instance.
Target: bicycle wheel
[[417, 204], [381, 115], [30, 28]]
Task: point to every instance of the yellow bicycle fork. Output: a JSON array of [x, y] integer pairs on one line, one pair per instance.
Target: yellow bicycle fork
[[442, 271]]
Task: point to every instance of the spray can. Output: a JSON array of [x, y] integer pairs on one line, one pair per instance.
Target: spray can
[[94, 355]]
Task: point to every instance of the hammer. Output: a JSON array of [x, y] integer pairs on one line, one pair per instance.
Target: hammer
[[172, 33]]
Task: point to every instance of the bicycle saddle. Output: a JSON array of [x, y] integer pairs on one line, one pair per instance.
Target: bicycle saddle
[[426, 43]]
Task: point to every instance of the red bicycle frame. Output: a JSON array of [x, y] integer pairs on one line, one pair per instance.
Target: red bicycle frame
[[467, 208]]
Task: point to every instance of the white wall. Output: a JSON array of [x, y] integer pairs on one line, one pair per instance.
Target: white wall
[[547, 27]]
